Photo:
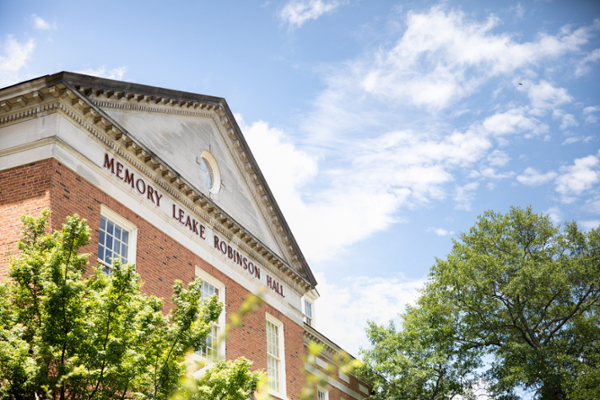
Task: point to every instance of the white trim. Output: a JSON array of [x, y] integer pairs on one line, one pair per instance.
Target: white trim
[[344, 377], [363, 389], [321, 363], [324, 391], [200, 273], [128, 226], [336, 384], [282, 379], [309, 300]]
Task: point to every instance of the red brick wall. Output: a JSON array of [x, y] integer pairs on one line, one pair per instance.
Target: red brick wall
[[160, 260], [23, 190]]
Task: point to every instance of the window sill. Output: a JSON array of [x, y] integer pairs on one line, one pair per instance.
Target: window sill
[[277, 394]]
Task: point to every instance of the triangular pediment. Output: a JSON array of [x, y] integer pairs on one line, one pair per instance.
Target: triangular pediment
[[168, 131]]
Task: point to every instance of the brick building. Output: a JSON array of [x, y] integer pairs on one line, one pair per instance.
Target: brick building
[[166, 180]]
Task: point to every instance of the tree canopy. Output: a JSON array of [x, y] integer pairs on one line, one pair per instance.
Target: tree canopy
[[63, 336], [514, 306]]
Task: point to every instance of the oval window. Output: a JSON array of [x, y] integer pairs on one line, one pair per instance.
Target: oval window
[[209, 171]]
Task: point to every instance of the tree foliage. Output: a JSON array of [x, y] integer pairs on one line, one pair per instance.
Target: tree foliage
[[515, 305], [63, 336]]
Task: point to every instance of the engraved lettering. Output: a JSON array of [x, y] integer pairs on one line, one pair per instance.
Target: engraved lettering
[[150, 193], [128, 178], [109, 163], [137, 185]]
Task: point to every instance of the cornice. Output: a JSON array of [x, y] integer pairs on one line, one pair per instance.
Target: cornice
[[331, 350], [72, 102]]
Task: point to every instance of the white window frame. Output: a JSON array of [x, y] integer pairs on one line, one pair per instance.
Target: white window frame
[[280, 336], [123, 223], [200, 273], [325, 393], [311, 296], [310, 320]]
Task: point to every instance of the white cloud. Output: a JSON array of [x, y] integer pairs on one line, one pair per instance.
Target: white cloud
[[342, 310], [13, 58], [444, 56], [511, 122], [498, 158], [583, 67], [589, 116], [440, 231], [575, 139], [544, 95], [490, 173], [464, 196], [349, 158], [568, 120], [380, 175], [531, 177], [102, 72], [555, 214], [518, 10], [577, 178], [297, 12], [589, 225], [40, 23]]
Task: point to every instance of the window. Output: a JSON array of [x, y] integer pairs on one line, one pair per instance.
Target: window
[[117, 239], [322, 394], [210, 286], [275, 357], [209, 171], [308, 312], [210, 350]]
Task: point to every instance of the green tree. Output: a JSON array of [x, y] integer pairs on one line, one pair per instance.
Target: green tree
[[515, 305], [63, 336]]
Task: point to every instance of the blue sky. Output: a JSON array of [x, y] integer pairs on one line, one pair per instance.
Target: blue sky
[[384, 128]]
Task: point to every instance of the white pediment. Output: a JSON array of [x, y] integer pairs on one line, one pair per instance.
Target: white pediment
[[179, 140]]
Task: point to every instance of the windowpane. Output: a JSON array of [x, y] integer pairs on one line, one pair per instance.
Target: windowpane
[[124, 251], [273, 373], [210, 350], [273, 356], [113, 242], [108, 256]]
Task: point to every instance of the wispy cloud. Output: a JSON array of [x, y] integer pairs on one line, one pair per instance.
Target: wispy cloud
[[440, 231], [531, 177], [444, 56], [589, 225], [102, 72], [297, 12], [589, 114], [40, 23], [544, 95], [349, 157], [583, 67], [464, 196], [13, 58], [342, 314]]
